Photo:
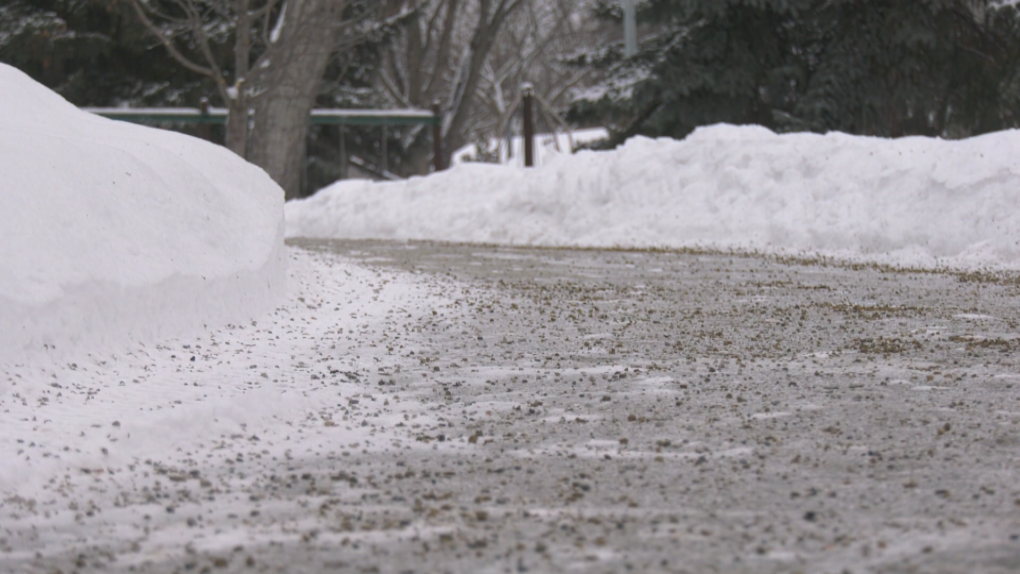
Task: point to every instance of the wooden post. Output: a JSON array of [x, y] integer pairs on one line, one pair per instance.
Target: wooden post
[[437, 137], [527, 101]]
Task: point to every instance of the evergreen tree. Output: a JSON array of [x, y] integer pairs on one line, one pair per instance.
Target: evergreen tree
[[878, 67], [94, 53], [899, 67]]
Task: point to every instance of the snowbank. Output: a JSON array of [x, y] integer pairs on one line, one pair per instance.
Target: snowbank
[[112, 232], [912, 201]]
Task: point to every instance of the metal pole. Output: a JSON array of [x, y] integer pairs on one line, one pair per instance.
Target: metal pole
[[629, 29], [437, 137], [527, 101]]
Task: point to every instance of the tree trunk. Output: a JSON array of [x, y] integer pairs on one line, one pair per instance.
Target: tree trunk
[[237, 119], [482, 39], [291, 83], [237, 125]]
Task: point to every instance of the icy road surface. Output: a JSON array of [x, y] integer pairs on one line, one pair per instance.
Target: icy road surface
[[484, 409]]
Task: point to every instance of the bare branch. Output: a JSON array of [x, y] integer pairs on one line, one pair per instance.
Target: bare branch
[[430, 28], [394, 91], [169, 44], [444, 49], [203, 40], [564, 89], [265, 15]]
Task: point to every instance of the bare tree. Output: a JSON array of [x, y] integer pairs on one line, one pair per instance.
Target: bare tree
[[306, 35], [473, 56], [533, 48], [280, 51], [440, 57], [193, 32]]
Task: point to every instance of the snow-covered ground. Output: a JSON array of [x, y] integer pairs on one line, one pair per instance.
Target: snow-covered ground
[[913, 201], [281, 377], [112, 232]]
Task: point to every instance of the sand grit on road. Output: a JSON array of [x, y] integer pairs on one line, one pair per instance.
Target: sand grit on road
[[521, 410]]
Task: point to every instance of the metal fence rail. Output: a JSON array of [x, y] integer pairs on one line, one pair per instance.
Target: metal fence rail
[[207, 115], [218, 116]]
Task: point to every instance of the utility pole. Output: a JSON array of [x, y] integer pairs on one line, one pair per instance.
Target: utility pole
[[629, 29]]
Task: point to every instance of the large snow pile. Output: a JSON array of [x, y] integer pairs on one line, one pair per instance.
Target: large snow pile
[[912, 201], [112, 232]]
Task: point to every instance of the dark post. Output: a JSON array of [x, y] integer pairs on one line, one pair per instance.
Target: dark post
[[204, 131], [385, 151], [343, 151], [437, 137], [527, 100]]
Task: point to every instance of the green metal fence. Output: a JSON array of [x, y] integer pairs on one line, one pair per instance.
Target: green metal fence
[[206, 115], [218, 116]]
